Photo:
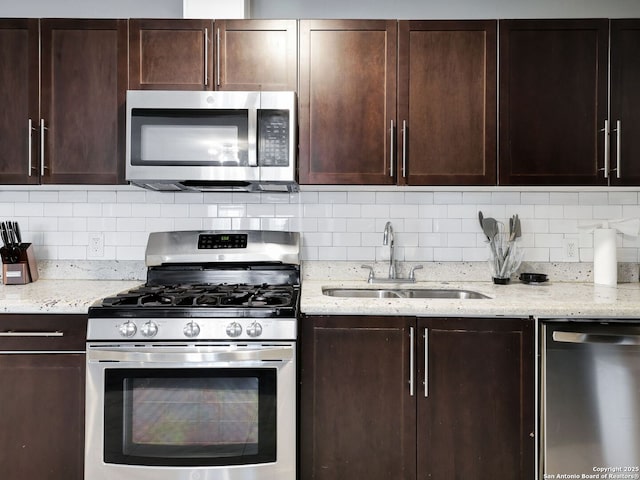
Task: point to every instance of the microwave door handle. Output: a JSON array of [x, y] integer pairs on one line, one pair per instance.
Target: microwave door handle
[[252, 137]]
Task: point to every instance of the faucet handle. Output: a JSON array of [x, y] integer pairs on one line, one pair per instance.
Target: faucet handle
[[371, 275], [412, 272]]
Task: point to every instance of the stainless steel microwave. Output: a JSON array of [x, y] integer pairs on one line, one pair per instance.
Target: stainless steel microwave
[[211, 141]]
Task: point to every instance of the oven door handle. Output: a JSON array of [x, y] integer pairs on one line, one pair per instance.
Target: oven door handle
[[190, 355]]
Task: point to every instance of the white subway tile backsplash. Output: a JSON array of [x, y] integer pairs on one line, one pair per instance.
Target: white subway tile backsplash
[[101, 197], [623, 198], [340, 224], [447, 198], [535, 198]]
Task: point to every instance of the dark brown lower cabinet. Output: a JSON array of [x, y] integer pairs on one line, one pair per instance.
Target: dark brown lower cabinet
[[41, 398], [406, 398]]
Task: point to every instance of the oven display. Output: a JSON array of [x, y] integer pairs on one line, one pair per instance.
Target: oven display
[[212, 241]]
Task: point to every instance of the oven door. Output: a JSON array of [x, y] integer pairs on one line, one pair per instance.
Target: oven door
[[189, 411]]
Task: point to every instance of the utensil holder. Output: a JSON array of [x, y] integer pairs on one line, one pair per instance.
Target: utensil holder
[[25, 270], [15, 273]]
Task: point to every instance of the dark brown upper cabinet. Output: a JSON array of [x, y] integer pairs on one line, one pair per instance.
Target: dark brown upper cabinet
[[19, 97], [63, 110], [553, 101], [256, 55], [176, 54], [171, 54], [347, 101], [444, 132], [446, 129], [84, 83], [624, 120]]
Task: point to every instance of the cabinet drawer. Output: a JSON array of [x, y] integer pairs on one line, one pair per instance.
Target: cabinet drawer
[[43, 332]]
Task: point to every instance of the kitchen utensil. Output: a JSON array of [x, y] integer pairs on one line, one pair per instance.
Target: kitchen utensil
[[16, 232]]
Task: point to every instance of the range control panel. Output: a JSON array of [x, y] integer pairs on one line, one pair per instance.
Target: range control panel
[[214, 241]]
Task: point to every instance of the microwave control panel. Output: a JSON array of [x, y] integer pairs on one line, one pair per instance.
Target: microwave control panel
[[273, 138]]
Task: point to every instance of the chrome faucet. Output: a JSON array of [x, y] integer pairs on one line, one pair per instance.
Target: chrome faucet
[[388, 239]]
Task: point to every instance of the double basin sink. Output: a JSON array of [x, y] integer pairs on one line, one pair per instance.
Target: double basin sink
[[445, 293]]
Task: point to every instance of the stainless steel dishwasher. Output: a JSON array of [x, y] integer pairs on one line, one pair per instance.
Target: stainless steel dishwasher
[[590, 388]]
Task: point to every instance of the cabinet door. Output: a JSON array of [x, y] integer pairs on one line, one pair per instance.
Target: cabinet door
[[42, 416], [357, 414], [84, 82], [553, 101], [256, 55], [625, 102], [347, 101], [19, 99], [447, 103], [476, 402], [170, 54]]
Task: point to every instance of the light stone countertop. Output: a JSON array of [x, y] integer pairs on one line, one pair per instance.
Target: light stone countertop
[[566, 298], [59, 296]]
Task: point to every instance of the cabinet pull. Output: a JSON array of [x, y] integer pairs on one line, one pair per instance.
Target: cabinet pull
[[411, 360], [11, 333], [42, 129], [426, 362], [391, 167], [606, 148], [618, 146], [404, 149], [29, 145], [206, 57], [218, 57]]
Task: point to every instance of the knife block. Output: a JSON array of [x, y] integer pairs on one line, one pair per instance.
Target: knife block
[[24, 271]]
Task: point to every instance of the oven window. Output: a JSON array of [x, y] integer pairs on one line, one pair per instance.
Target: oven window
[[190, 417], [190, 137]]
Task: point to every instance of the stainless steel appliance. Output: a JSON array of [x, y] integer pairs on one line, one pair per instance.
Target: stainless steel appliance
[[193, 374], [590, 399], [200, 141]]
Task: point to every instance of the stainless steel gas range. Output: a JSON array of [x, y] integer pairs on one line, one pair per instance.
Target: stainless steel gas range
[[193, 374]]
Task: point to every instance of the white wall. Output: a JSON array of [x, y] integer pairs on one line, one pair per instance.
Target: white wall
[[91, 8], [400, 9], [444, 9]]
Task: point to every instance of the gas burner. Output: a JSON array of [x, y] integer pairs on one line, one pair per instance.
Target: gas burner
[[205, 295]]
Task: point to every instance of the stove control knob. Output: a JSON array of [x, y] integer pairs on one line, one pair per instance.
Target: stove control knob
[[234, 329], [128, 329], [191, 330], [254, 330], [149, 329]]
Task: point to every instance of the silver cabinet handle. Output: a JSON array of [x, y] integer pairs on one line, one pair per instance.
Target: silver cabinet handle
[[42, 129], [411, 361], [29, 146], [218, 57], [391, 156], [606, 148], [426, 362], [604, 338], [31, 334], [206, 57], [404, 148], [618, 146]]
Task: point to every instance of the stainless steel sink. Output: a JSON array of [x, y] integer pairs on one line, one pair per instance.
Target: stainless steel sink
[[403, 293]]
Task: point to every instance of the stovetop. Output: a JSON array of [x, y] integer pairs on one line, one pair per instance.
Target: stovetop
[[205, 295], [208, 286]]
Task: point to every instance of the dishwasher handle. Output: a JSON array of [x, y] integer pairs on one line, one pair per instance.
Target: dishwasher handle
[[599, 338]]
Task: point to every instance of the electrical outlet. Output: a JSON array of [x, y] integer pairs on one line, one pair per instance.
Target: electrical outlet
[[95, 249], [570, 249]]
